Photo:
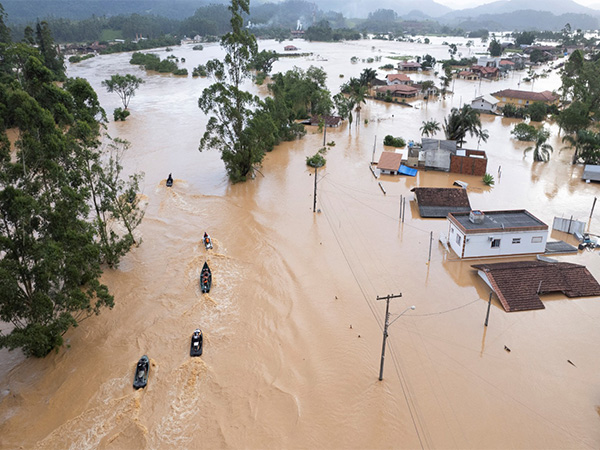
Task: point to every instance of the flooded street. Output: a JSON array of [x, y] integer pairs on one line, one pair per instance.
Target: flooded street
[[292, 328]]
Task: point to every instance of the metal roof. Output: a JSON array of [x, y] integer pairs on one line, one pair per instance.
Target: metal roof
[[499, 221]]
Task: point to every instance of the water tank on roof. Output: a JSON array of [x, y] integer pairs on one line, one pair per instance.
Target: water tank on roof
[[476, 216]]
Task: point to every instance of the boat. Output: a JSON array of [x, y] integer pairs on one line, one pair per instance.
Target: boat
[[205, 279], [196, 345], [141, 373], [207, 241], [169, 181]]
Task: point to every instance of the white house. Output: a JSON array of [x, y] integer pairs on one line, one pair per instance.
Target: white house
[[485, 103], [496, 233]]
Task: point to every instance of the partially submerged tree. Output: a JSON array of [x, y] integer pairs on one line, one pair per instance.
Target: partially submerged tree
[[124, 86], [462, 121], [541, 149], [430, 127], [229, 128]]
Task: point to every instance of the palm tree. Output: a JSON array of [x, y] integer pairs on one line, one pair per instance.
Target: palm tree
[[367, 76], [541, 150], [430, 127], [462, 121], [344, 106], [358, 94]]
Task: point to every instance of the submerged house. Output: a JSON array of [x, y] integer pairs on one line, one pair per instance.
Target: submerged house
[[390, 162], [519, 285], [437, 153], [399, 90], [485, 103], [496, 233], [524, 98], [591, 172], [439, 202]]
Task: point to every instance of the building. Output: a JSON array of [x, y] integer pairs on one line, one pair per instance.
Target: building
[[524, 98], [485, 103], [409, 66], [488, 72], [468, 75], [519, 284], [398, 90], [438, 202], [591, 173], [468, 162], [389, 162], [398, 78], [290, 48], [481, 234], [329, 121], [437, 153]]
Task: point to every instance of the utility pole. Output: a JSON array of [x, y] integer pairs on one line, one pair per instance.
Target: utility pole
[[324, 132], [387, 299], [315, 196]]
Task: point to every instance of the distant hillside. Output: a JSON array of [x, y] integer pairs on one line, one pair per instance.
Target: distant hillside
[[524, 20], [557, 7]]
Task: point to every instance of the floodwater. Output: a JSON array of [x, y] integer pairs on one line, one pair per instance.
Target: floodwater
[[292, 327]]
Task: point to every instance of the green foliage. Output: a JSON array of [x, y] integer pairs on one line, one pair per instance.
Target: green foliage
[[524, 132], [537, 111], [181, 72], [153, 62], [322, 31], [263, 61], [51, 237], [318, 159], [510, 110], [495, 48], [524, 38], [79, 58], [387, 67], [541, 150], [129, 46], [481, 33], [120, 114], [49, 52], [587, 146], [462, 121], [124, 86], [198, 47], [199, 71], [430, 127], [394, 141], [488, 179], [427, 62]]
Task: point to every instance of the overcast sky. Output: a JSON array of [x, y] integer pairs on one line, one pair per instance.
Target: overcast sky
[[460, 4]]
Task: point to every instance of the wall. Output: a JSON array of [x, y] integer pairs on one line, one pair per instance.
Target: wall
[[469, 165], [480, 245]]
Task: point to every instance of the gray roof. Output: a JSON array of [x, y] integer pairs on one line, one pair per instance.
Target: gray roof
[[441, 211], [515, 220], [553, 247], [591, 172]]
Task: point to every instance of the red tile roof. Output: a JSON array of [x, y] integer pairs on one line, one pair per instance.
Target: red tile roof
[[330, 121], [545, 96], [397, 76], [389, 161], [519, 284]]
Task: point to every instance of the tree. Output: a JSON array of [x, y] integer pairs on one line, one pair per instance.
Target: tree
[[446, 79], [524, 132], [263, 61], [587, 146], [367, 76], [124, 86], [50, 256], [345, 106], [462, 121], [541, 149], [537, 111], [495, 48], [231, 128], [48, 49], [430, 127], [524, 38]]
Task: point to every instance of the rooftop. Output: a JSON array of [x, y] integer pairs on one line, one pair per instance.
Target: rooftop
[[389, 161], [438, 202], [397, 76], [398, 88], [545, 96], [514, 220], [518, 285]]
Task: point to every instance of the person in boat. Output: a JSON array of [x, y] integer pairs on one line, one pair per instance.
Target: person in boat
[[197, 332], [169, 179]]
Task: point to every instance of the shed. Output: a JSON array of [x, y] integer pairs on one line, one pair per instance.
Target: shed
[[519, 285], [591, 172], [438, 202], [329, 121], [389, 162]]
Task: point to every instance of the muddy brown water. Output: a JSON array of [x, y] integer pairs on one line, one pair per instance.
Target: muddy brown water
[[292, 327]]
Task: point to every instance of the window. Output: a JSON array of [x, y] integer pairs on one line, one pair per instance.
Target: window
[[495, 243], [520, 102], [536, 239], [458, 240], [516, 240]]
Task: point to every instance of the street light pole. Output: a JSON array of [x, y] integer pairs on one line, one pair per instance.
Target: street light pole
[[387, 324]]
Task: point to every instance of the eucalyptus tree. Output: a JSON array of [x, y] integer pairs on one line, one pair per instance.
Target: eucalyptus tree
[[124, 86], [230, 108]]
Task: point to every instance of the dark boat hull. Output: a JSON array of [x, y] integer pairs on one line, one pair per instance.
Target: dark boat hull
[[140, 379], [196, 345], [205, 279]]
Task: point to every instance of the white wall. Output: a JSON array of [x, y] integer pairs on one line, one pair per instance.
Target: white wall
[[480, 245]]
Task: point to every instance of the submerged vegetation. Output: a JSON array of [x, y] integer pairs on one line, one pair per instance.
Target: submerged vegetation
[[65, 209]]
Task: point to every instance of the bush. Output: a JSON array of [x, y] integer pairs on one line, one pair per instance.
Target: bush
[[181, 72], [79, 58], [488, 179], [524, 132], [394, 141], [537, 111], [197, 47], [199, 71], [387, 67], [120, 114], [317, 160]]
